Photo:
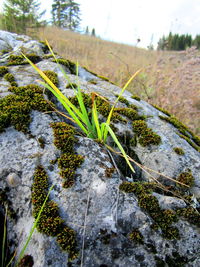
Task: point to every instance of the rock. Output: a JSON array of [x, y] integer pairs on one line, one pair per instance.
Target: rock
[[117, 218]]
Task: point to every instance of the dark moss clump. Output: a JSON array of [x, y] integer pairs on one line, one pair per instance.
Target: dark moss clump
[[146, 135], [53, 77], [123, 100], [34, 58], [103, 78], [9, 77], [45, 47], [185, 178], [109, 172], [67, 63], [72, 85], [41, 142], [93, 81], [190, 214], [15, 109], [26, 261], [179, 151], [185, 133], [20, 60], [68, 162], [162, 218], [3, 71], [129, 113], [162, 110], [50, 222], [136, 97], [136, 236]]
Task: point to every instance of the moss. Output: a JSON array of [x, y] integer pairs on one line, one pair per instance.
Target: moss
[[3, 71], [162, 218], [190, 214], [45, 47], [47, 56], [129, 113], [145, 134], [136, 236], [162, 110], [26, 261], [67, 63], [179, 151], [15, 109], [109, 172], [41, 142], [185, 178], [20, 60], [68, 162], [72, 85], [53, 77], [185, 132], [9, 77], [93, 81], [123, 100], [103, 78], [4, 51], [50, 222], [136, 97]]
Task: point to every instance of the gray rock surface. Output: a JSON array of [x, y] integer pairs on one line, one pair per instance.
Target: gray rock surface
[[101, 215]]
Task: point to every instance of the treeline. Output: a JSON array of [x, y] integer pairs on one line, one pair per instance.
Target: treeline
[[22, 15], [178, 42]]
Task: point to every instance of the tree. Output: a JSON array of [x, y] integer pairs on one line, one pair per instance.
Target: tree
[[18, 15], [93, 32], [66, 14]]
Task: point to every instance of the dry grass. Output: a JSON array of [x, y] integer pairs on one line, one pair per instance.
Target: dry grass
[[170, 79]]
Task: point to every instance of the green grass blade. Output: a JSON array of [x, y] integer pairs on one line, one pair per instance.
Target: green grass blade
[[33, 228], [3, 256], [120, 94], [119, 146], [96, 121]]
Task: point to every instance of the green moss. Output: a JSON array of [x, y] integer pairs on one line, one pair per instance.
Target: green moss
[[68, 162], [190, 214], [185, 178], [53, 77], [136, 236], [162, 218], [162, 110], [103, 78], [93, 81], [179, 151], [15, 109], [26, 261], [72, 85], [145, 134], [47, 56], [41, 142], [4, 51], [3, 71], [123, 100], [45, 47], [9, 77], [136, 97], [129, 113], [67, 63], [50, 222], [109, 172], [185, 132], [20, 60]]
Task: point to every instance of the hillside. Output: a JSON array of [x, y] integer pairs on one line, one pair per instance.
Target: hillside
[[170, 80]]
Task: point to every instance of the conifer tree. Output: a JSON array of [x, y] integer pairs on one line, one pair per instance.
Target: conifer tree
[[18, 15], [66, 14]]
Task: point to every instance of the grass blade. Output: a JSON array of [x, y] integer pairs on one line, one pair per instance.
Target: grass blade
[[96, 120], [33, 228], [119, 146]]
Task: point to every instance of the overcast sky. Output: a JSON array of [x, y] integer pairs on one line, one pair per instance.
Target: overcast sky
[[126, 21]]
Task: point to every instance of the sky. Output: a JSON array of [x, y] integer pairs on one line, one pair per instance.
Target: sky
[[128, 20]]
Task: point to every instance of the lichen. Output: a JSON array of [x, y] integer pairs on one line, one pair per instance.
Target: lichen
[[163, 219], [179, 151], [53, 77], [146, 135], [50, 223], [185, 178], [15, 109], [68, 162]]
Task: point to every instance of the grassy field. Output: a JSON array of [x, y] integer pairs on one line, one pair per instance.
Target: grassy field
[[170, 80]]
